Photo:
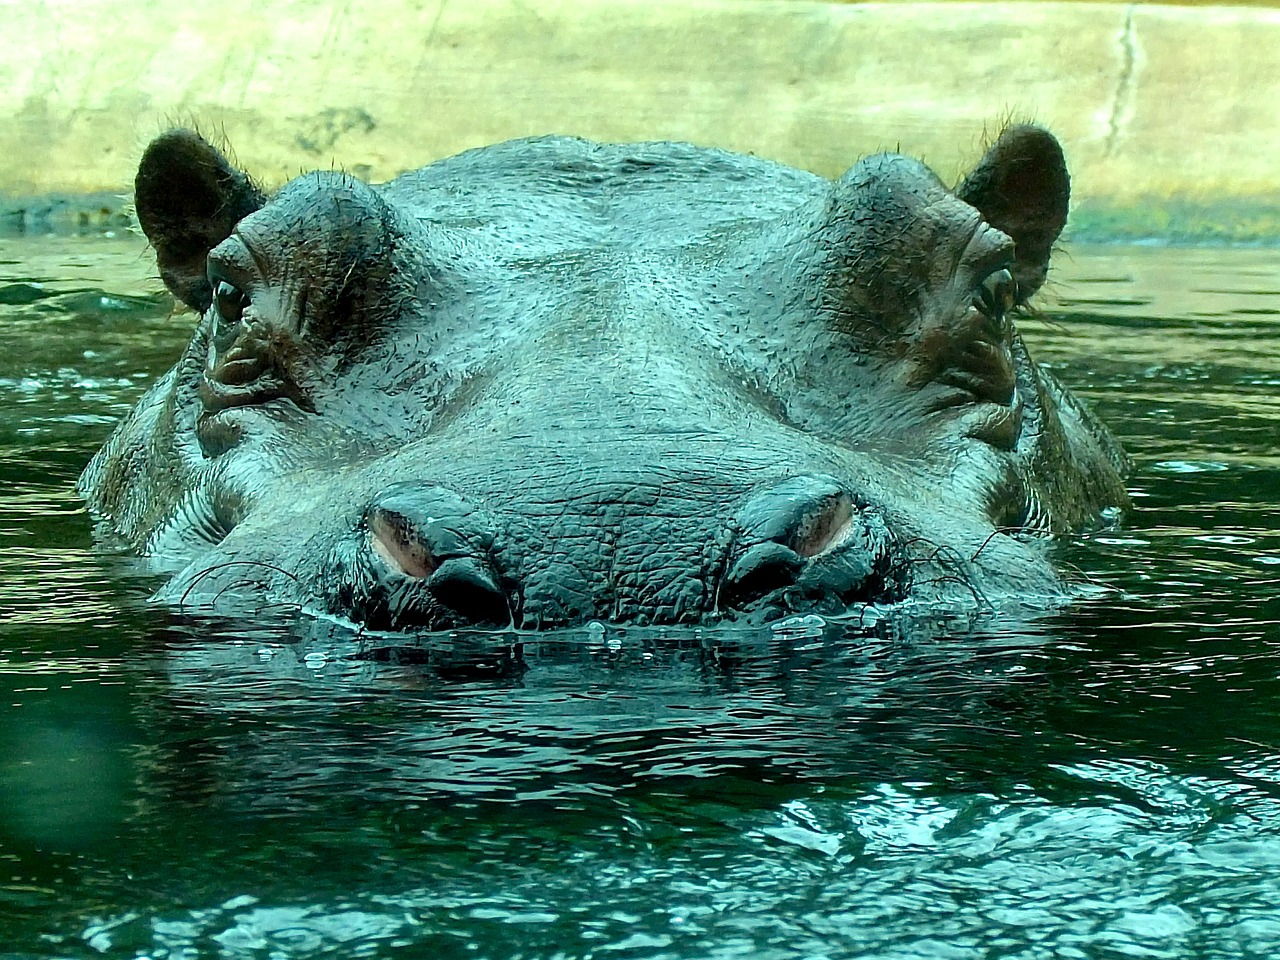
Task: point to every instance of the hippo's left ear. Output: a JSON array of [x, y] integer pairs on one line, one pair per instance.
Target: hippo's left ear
[[189, 198], [1021, 187]]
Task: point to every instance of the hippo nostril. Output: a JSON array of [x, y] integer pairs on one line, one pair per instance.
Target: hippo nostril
[[465, 587], [811, 515], [444, 546], [807, 541], [394, 541], [825, 528], [762, 569]]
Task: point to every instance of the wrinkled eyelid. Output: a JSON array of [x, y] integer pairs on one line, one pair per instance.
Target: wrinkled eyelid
[[992, 250], [230, 261]]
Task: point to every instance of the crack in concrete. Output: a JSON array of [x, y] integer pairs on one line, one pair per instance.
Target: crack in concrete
[[1124, 86], [435, 24], [428, 44]]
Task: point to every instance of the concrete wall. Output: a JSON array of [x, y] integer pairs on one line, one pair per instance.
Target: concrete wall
[[1161, 108]]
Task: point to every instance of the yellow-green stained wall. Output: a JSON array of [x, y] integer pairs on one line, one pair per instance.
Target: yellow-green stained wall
[[1148, 99]]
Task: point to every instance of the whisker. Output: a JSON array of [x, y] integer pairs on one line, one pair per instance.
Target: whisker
[[994, 533], [215, 568]]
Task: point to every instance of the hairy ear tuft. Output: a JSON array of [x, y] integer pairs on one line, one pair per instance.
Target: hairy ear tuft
[[189, 198], [1022, 188]]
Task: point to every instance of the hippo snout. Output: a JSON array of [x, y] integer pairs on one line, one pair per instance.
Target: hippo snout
[[425, 557]]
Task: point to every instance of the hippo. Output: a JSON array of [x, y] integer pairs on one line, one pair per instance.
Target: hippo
[[554, 381]]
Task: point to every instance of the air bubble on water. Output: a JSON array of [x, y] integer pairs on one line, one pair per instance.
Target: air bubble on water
[[595, 631], [314, 661], [266, 653]]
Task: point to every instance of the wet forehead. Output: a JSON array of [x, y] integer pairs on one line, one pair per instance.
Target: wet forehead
[[556, 193]]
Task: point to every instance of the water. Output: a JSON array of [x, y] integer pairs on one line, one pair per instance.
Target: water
[[1097, 781]]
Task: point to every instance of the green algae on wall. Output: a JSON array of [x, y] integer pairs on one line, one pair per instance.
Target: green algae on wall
[[1178, 220]]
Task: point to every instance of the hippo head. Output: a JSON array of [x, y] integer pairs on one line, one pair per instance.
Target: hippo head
[[552, 380]]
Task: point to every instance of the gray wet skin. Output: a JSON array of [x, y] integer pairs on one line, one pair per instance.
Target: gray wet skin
[[551, 381]]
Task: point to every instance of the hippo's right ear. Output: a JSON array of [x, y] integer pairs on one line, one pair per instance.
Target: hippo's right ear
[[1022, 188], [188, 199]]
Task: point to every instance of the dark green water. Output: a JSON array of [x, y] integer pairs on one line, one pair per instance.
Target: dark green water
[[1096, 781]]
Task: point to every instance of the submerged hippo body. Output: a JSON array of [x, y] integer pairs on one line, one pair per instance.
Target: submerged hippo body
[[552, 380]]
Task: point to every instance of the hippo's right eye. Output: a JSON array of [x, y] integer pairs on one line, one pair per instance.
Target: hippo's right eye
[[996, 296], [228, 309]]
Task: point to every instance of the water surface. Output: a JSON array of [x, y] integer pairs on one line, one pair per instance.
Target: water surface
[[1101, 780]]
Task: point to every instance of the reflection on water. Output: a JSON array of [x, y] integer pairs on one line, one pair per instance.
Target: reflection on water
[[1098, 780]]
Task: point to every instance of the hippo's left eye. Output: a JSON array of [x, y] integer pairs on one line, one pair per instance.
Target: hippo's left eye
[[228, 311], [996, 296]]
